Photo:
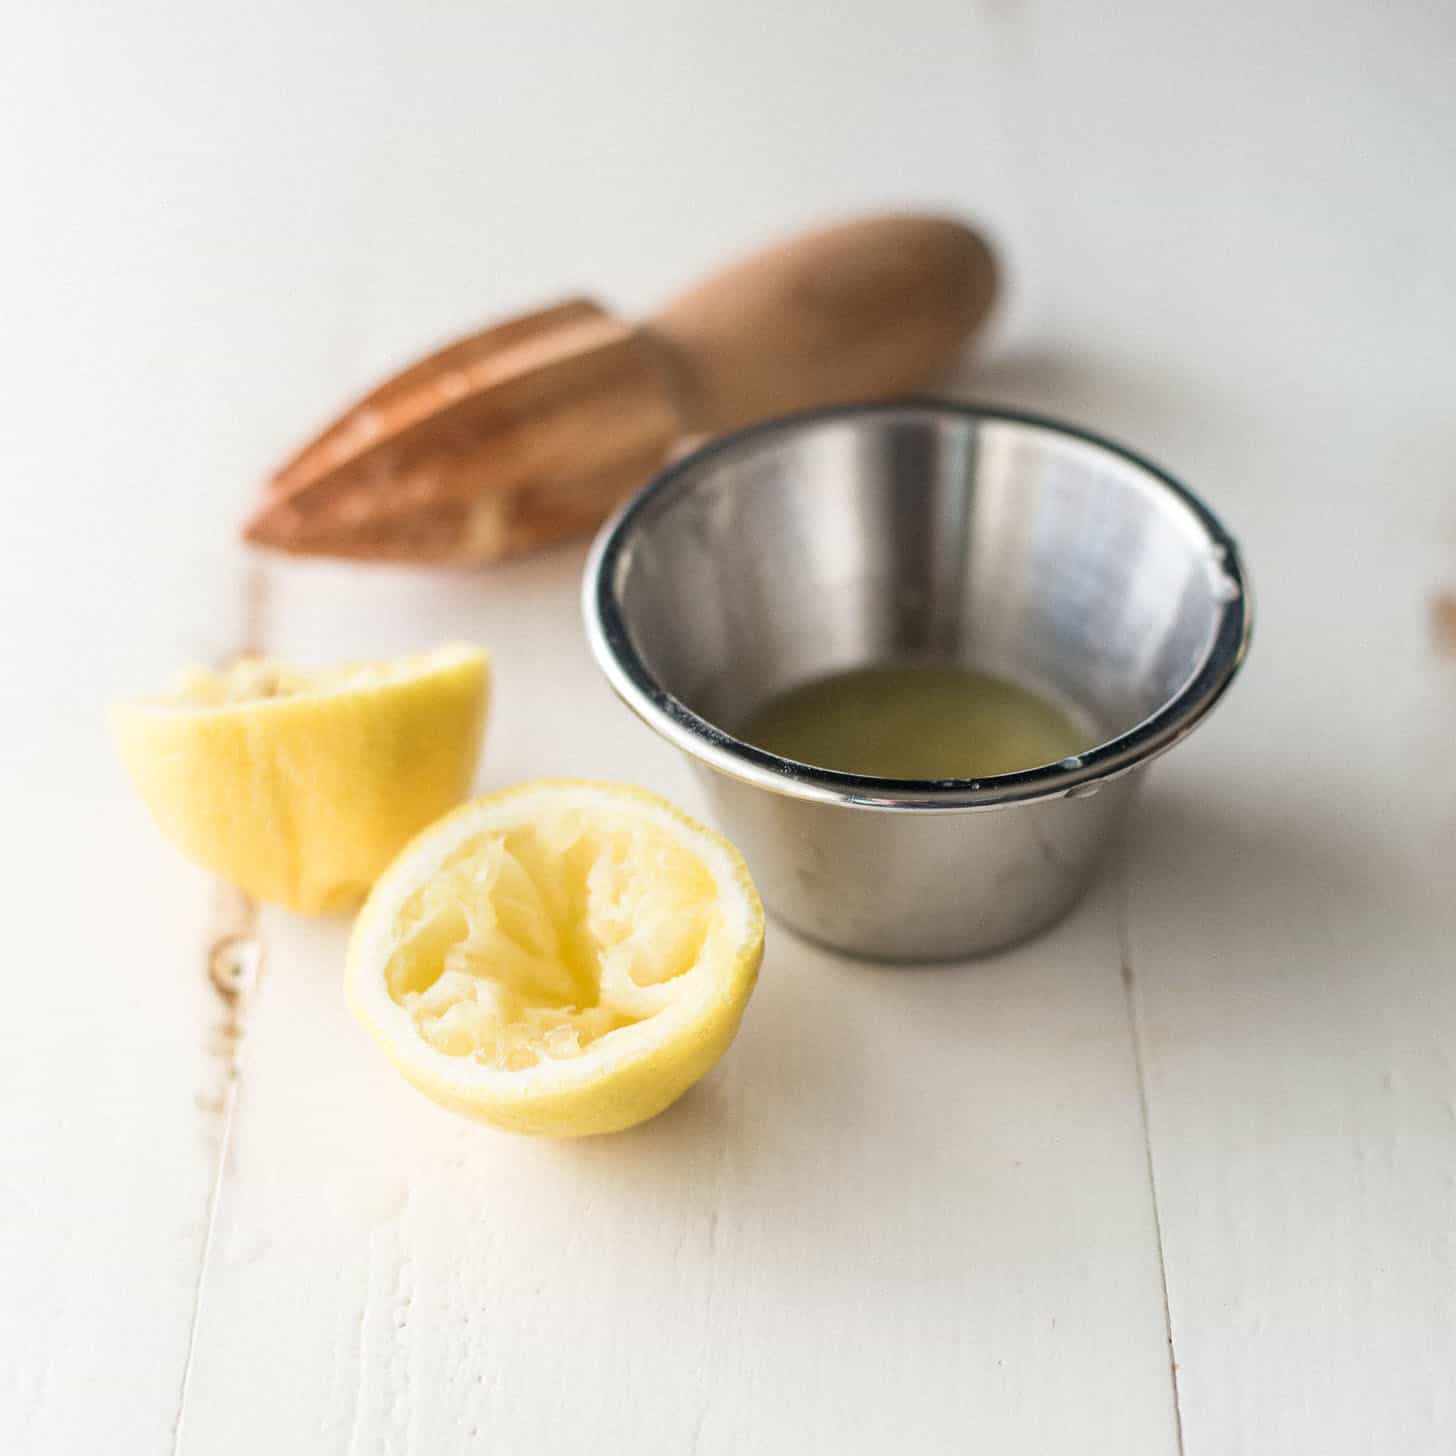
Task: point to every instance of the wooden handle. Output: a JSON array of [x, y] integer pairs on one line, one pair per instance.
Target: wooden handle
[[862, 310]]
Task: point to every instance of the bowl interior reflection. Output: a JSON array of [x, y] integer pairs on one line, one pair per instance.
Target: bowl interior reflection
[[920, 534]]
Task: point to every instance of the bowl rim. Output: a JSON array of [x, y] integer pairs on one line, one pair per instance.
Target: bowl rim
[[617, 656]]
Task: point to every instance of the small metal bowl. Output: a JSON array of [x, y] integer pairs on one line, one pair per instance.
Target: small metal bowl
[[921, 530]]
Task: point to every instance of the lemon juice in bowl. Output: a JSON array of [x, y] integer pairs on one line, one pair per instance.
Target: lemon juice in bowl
[[917, 721]]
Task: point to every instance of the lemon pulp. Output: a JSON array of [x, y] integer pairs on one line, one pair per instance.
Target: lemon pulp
[[563, 957], [254, 679], [538, 941]]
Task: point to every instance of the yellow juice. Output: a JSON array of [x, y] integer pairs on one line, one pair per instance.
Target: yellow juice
[[916, 721]]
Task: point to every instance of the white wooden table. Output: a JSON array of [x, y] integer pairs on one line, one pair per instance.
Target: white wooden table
[[1180, 1176]]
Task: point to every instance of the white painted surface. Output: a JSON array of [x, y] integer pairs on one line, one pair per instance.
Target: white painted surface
[[909, 1208]]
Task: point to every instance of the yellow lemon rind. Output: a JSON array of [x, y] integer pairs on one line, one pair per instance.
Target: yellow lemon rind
[[623, 1079], [302, 800]]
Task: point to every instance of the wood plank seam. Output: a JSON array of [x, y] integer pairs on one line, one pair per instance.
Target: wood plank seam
[[1135, 1032], [233, 965]]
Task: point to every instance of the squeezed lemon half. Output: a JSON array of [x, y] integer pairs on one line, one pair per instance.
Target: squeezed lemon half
[[564, 958], [301, 787]]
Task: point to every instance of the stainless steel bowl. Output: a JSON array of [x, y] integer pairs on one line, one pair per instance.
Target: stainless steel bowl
[[874, 533]]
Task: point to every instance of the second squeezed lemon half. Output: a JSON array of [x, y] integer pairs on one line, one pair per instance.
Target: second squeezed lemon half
[[300, 788], [563, 958]]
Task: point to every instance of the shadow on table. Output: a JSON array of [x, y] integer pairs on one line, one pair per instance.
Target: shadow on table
[[1256, 927], [1222, 860], [1104, 392]]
